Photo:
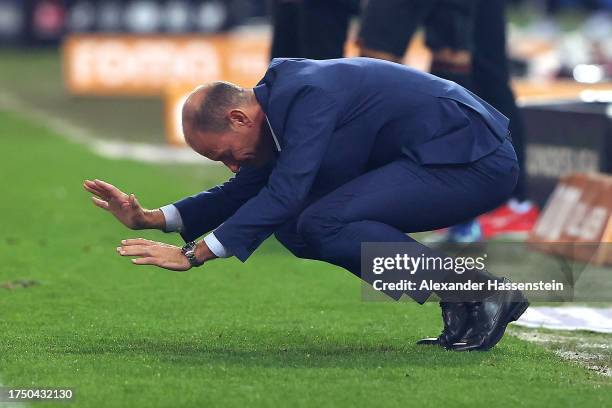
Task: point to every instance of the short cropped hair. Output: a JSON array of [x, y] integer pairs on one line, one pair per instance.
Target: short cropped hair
[[221, 96]]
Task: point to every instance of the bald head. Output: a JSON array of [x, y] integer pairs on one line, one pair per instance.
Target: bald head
[[223, 122], [207, 108]]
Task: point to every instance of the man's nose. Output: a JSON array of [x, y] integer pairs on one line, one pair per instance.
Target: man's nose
[[233, 167]]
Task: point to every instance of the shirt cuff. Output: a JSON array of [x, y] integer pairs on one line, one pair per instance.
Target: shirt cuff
[[215, 246], [174, 222]]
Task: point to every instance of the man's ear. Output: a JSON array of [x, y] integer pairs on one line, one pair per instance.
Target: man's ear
[[238, 118]]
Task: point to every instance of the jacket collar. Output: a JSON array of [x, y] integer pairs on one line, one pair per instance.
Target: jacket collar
[[262, 90], [262, 94]]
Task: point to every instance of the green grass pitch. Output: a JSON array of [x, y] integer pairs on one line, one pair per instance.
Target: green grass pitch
[[276, 331]]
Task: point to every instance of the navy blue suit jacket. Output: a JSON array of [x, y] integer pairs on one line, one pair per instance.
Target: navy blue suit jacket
[[335, 120]]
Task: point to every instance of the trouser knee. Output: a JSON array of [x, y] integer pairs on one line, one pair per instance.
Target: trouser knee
[[315, 228]]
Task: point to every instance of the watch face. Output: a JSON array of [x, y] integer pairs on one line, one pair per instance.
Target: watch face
[[188, 249]]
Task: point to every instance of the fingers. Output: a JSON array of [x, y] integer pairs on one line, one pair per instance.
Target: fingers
[[147, 252], [138, 241], [109, 189], [100, 203], [142, 241], [90, 185], [145, 261], [131, 202], [104, 185], [94, 190], [134, 250]]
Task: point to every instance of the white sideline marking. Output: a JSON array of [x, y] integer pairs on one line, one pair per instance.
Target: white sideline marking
[[110, 149], [571, 346], [568, 318]]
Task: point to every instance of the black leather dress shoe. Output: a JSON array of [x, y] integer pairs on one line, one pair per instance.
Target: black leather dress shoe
[[489, 318], [455, 317]]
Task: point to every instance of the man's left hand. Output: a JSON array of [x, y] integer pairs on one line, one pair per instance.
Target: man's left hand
[[154, 253]]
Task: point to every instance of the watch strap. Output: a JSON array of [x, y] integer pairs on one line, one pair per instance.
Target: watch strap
[[189, 251]]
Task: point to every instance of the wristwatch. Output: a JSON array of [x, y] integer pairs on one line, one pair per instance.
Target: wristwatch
[[189, 252]]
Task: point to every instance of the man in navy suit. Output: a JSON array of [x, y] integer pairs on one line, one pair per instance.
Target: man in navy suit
[[331, 154]]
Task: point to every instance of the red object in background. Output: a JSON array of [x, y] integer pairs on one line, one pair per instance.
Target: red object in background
[[49, 18], [506, 221]]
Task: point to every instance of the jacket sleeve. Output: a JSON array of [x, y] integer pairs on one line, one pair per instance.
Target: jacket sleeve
[[309, 125], [205, 211]]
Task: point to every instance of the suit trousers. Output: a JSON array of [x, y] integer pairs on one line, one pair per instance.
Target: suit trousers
[[403, 196]]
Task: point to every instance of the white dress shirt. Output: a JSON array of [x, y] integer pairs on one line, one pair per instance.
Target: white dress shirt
[[174, 223]]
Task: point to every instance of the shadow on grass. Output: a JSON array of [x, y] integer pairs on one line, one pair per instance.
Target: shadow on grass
[[253, 352]]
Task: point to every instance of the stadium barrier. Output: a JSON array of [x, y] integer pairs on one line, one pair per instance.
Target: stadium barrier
[[566, 136], [577, 220]]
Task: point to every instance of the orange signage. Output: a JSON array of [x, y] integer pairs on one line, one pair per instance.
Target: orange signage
[[171, 66], [149, 65], [175, 98]]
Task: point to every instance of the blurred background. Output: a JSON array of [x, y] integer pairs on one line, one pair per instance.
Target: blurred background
[[93, 89], [114, 74]]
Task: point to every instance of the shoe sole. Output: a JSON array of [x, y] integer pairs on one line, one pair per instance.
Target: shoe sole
[[432, 341], [514, 315]]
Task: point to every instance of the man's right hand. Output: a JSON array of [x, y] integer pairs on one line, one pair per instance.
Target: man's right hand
[[124, 207]]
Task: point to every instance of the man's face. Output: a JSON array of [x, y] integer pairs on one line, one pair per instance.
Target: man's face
[[240, 145], [242, 142]]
